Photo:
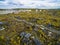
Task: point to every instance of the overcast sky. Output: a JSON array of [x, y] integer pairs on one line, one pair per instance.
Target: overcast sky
[[42, 4]]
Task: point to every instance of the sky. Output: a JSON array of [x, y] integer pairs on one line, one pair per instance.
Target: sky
[[40, 4]]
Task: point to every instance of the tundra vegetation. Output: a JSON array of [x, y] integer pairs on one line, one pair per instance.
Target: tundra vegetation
[[13, 27]]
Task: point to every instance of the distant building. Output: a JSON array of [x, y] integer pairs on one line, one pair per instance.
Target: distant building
[[36, 10], [16, 12]]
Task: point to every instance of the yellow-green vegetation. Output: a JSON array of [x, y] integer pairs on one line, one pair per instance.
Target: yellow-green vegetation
[[10, 35]]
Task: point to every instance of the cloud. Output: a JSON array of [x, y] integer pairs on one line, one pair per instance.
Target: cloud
[[46, 4], [2, 0]]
